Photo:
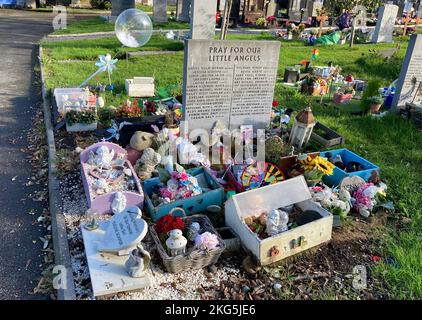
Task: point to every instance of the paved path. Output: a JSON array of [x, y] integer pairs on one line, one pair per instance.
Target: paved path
[[20, 258]]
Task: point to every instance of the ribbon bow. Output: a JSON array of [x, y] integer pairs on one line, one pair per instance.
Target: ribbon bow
[[115, 130]]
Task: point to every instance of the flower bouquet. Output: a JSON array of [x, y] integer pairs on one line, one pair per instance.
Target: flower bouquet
[[315, 168]]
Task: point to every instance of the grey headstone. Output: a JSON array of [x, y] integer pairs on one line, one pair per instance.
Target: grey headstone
[[203, 19], [160, 11], [385, 24], [183, 10], [118, 6], [410, 75], [230, 81]]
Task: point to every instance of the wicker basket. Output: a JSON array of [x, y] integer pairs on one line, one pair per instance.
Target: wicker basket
[[193, 259]]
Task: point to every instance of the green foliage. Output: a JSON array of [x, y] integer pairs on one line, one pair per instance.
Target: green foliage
[[334, 8], [375, 100], [105, 115], [101, 4], [83, 117], [260, 22], [371, 90]]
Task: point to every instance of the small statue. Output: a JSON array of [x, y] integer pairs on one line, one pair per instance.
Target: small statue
[[100, 186], [147, 163], [103, 157], [194, 229], [119, 203], [138, 262], [277, 222]]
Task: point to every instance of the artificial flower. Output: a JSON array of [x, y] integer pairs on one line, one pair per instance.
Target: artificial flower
[[206, 241]]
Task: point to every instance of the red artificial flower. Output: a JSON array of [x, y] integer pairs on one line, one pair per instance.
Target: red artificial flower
[[275, 103], [167, 223]]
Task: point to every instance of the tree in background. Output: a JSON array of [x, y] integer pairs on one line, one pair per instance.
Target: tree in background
[[335, 8]]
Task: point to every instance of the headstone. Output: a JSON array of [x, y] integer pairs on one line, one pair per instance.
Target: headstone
[[294, 11], [160, 11], [118, 6], [124, 232], [314, 7], [107, 271], [385, 24], [230, 81], [203, 19], [183, 10], [409, 83], [272, 8]]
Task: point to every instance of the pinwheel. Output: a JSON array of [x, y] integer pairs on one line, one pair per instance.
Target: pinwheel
[[104, 64]]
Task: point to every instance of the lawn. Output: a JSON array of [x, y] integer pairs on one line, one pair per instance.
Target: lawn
[[390, 142], [97, 24]]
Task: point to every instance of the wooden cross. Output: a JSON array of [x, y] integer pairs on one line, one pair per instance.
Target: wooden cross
[[406, 21], [321, 18]]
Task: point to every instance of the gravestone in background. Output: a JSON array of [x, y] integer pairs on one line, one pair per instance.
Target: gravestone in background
[[183, 10], [203, 19], [410, 75], [160, 11], [230, 81], [118, 6], [385, 24], [361, 16]]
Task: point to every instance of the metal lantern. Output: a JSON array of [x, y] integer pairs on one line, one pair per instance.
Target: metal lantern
[[302, 129]]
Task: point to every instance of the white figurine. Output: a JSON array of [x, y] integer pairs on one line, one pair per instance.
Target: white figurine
[[138, 262], [119, 203], [277, 222], [100, 186], [194, 229], [103, 157]]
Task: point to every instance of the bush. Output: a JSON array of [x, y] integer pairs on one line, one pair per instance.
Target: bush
[[101, 4]]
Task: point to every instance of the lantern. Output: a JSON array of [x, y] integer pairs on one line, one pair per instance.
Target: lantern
[[176, 243], [302, 129]]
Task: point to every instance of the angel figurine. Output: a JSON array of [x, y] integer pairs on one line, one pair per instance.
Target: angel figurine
[[138, 262], [277, 222]]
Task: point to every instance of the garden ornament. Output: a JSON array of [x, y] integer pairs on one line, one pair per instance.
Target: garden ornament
[[147, 163], [141, 140], [119, 203], [138, 262], [193, 231]]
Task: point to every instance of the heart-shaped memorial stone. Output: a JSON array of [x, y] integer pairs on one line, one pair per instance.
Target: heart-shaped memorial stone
[[124, 232]]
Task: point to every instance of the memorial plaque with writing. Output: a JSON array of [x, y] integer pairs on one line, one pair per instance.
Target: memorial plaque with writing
[[230, 81], [385, 25], [409, 83], [125, 231]]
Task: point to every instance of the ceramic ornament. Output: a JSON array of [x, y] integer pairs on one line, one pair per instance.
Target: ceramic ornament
[[176, 243], [277, 222]]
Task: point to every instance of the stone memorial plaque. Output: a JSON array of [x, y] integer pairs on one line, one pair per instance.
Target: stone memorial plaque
[[124, 232], [385, 24], [230, 81], [408, 88], [107, 271]]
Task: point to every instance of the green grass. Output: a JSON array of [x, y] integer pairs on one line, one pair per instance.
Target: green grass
[[97, 24], [391, 142]]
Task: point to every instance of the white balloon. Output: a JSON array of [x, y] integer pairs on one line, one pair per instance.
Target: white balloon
[[133, 28]]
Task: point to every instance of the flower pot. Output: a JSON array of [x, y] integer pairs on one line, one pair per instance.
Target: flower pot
[[337, 222], [78, 127], [340, 98], [375, 107]]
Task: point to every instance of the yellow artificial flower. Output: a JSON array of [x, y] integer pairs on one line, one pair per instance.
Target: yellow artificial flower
[[324, 166], [307, 163]]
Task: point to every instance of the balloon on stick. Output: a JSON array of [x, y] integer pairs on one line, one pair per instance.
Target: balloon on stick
[[133, 28]]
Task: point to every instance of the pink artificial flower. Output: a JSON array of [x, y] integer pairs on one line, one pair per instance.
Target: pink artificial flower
[[183, 176], [206, 241], [166, 193], [187, 194]]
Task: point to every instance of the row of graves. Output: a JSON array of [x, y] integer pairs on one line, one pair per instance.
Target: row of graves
[[172, 183]]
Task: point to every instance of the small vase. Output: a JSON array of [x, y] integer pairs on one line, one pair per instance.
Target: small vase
[[375, 107]]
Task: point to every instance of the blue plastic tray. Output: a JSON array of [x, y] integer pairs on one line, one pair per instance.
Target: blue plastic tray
[[192, 205], [348, 156]]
